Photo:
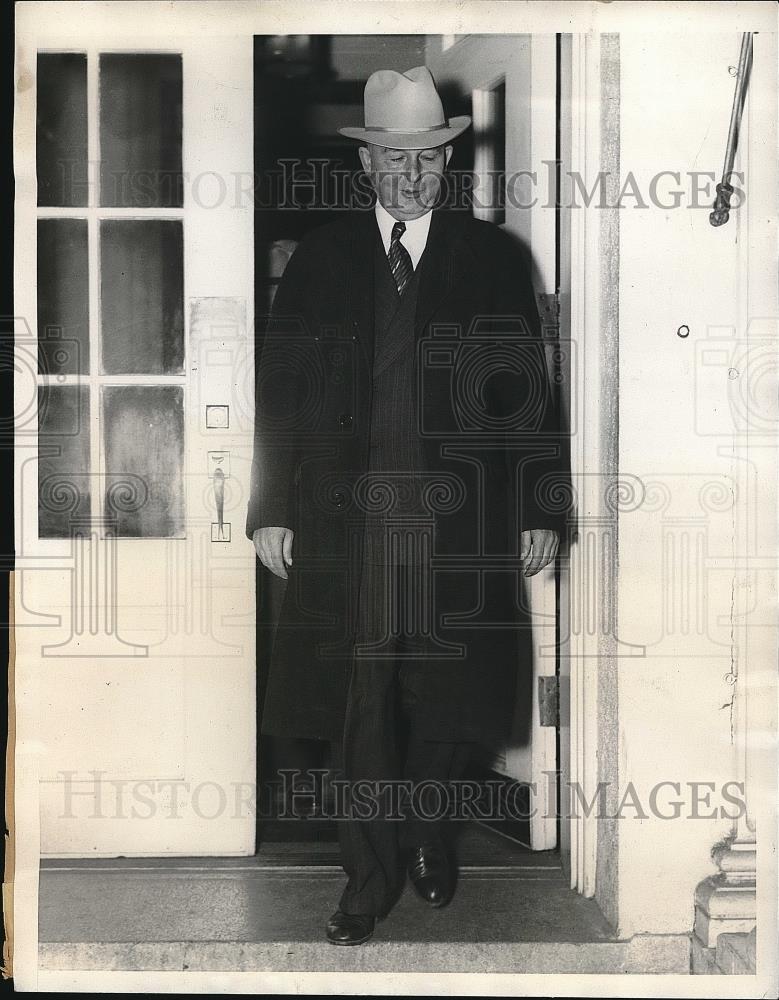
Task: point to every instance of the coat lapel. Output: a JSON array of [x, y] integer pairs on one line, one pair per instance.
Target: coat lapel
[[444, 263], [359, 277]]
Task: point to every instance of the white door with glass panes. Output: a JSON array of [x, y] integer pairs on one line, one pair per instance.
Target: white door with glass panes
[[134, 601]]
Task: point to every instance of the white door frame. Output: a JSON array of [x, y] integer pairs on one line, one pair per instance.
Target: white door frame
[[588, 317]]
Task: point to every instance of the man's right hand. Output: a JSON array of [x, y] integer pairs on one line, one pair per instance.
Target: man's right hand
[[274, 548]]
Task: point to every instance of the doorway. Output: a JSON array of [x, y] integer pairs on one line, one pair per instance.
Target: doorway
[[305, 88], [205, 693]]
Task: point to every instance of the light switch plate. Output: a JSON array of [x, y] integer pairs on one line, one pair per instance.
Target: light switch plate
[[217, 417], [220, 536]]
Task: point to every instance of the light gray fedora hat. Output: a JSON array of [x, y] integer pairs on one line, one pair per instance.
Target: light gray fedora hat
[[404, 111]]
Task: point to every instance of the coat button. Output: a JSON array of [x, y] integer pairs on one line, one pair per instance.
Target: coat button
[[339, 500], [345, 420]]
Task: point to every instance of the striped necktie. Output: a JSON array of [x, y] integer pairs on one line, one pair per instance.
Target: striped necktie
[[399, 258]]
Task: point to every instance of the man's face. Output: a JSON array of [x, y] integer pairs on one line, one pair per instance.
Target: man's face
[[407, 181]]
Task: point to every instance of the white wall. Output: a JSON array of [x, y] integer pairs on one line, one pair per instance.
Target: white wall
[[669, 715], [676, 430]]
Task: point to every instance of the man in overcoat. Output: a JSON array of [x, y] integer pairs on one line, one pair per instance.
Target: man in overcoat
[[405, 481]]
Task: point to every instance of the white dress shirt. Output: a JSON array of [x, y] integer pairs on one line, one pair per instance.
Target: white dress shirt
[[415, 237]]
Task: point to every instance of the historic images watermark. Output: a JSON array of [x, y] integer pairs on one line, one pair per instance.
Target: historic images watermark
[[736, 366], [319, 794], [319, 184]]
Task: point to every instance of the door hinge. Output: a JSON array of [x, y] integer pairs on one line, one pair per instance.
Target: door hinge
[[549, 313], [548, 701]]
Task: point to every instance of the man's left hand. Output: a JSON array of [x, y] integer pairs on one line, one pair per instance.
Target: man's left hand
[[538, 548]]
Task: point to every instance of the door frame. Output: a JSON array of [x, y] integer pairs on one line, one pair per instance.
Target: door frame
[[589, 318]]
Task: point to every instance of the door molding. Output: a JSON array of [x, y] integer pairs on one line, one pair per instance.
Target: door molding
[[589, 274]]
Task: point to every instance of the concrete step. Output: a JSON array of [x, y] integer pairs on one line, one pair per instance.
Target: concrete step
[[246, 915], [645, 954], [513, 912]]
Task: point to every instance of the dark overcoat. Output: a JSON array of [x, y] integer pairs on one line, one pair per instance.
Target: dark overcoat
[[491, 443]]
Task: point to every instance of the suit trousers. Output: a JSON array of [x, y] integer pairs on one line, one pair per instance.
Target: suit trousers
[[384, 738]]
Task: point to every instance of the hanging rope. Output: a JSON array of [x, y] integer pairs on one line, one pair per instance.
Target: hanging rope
[[721, 211]]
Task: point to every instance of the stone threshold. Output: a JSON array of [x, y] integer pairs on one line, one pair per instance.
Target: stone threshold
[[513, 912], [648, 954]]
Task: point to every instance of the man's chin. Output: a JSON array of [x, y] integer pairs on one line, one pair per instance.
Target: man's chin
[[414, 211]]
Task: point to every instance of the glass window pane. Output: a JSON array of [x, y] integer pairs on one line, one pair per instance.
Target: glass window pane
[[140, 130], [63, 459], [144, 457], [142, 297], [63, 297], [61, 132]]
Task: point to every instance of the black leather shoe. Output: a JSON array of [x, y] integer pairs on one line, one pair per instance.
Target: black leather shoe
[[431, 874], [349, 928]]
